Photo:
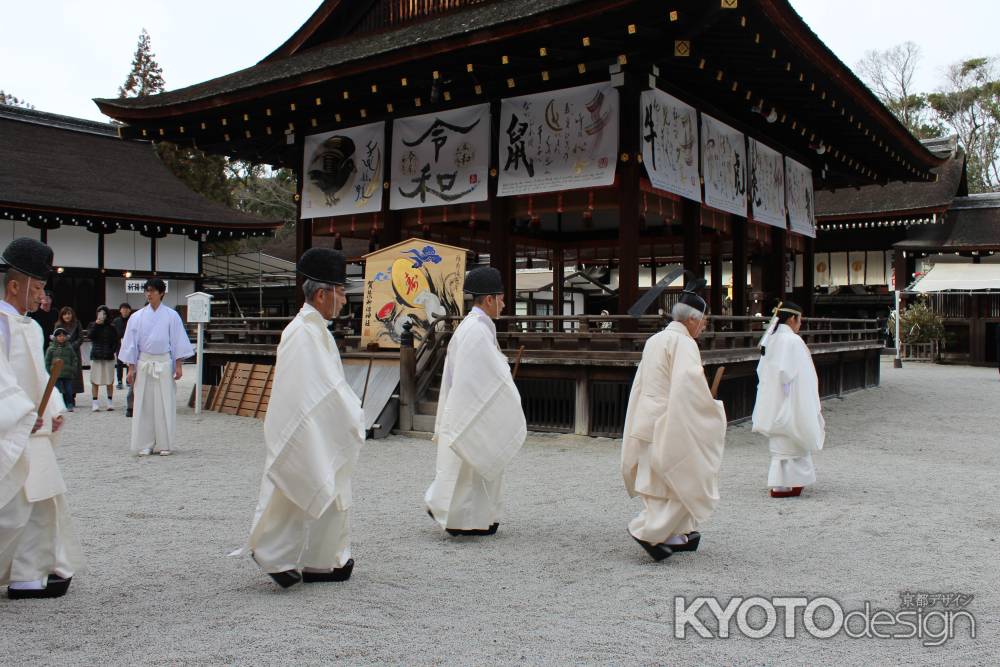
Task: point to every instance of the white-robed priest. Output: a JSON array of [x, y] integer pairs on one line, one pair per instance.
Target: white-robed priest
[[480, 425], [313, 432], [154, 347], [787, 409], [39, 553], [674, 435]]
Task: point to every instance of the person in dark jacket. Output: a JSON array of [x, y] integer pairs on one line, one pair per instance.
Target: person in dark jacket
[[61, 349], [120, 323], [74, 338], [103, 347], [46, 317]]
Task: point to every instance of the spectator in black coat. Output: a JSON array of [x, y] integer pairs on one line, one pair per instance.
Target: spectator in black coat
[[119, 323], [104, 342]]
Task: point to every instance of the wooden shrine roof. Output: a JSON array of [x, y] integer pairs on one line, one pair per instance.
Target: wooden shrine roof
[[68, 166], [972, 223]]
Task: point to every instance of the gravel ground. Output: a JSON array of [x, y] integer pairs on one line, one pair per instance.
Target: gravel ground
[[906, 501]]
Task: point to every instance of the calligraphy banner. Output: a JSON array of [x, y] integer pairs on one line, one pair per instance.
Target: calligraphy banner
[[559, 140], [669, 136], [799, 196], [414, 282], [767, 185], [441, 158], [344, 171], [724, 159]]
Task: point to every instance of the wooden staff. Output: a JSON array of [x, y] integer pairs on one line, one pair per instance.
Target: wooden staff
[[57, 366], [364, 392], [717, 380], [517, 362]]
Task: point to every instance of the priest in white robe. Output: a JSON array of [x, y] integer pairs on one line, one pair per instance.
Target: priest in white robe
[[787, 410], [674, 436], [480, 424], [154, 347], [313, 431], [39, 552]]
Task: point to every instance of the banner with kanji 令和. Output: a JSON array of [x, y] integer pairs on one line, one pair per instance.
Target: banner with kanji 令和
[[767, 185], [558, 140], [668, 131], [344, 170], [724, 160], [440, 158]]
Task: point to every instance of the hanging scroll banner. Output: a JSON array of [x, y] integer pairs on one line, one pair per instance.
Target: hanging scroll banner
[[560, 140], [767, 185], [799, 195], [724, 160], [344, 170], [668, 132], [441, 158]]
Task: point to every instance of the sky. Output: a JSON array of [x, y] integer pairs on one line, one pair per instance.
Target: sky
[[58, 54]]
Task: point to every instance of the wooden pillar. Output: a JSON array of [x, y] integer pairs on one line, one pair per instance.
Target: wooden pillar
[[628, 195], [501, 251], [558, 273], [739, 227], [809, 278], [716, 275], [303, 228], [691, 223], [775, 269]]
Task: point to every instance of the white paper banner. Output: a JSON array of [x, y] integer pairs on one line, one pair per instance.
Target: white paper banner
[[724, 165], [344, 170], [799, 195], [669, 135], [559, 140], [767, 185], [441, 158]]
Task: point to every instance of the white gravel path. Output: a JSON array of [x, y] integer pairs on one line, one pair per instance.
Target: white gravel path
[[907, 500]]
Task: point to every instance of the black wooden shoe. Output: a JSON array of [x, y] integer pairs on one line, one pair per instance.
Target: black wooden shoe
[[286, 579], [55, 587], [338, 574], [658, 552], [694, 538], [474, 532]]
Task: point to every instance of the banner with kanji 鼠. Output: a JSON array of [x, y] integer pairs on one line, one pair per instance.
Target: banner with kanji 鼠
[[799, 198], [559, 140], [344, 170], [767, 185], [724, 166], [414, 282], [669, 135], [441, 158]]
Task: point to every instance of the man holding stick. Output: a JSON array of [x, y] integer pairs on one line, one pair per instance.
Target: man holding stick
[[313, 432], [480, 425], [39, 552], [674, 435]]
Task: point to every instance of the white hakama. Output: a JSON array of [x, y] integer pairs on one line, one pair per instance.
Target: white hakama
[[788, 409], [36, 532], [154, 421], [313, 431], [479, 428], [673, 440]]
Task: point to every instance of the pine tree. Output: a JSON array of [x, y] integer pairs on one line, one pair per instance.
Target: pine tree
[[7, 98], [146, 77]]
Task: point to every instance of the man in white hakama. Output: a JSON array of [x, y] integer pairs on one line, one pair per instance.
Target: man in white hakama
[[313, 431], [480, 425], [39, 552], [154, 347], [788, 409], [674, 436]]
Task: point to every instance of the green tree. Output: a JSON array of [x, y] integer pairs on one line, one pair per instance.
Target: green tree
[[7, 98], [969, 102], [146, 76], [890, 75]]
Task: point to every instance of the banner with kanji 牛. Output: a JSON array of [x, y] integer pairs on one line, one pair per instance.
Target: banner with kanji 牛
[[724, 166], [343, 171], [668, 132], [440, 158], [414, 282], [799, 198], [559, 140], [767, 185]]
